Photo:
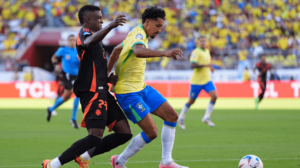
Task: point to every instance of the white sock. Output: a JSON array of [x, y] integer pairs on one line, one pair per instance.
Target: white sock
[[55, 163], [86, 156], [167, 140], [183, 112], [136, 144], [209, 110]]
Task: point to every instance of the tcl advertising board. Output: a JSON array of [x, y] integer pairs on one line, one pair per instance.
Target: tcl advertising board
[[166, 88]]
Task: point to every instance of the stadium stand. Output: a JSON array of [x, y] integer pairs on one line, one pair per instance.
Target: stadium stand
[[239, 31]]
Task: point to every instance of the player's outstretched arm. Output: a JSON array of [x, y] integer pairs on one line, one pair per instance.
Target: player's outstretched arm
[[114, 57], [99, 35], [141, 51]]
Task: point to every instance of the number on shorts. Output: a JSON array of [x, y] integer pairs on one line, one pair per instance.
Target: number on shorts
[[102, 103]]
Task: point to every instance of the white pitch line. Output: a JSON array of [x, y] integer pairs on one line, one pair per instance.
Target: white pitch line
[[201, 160]]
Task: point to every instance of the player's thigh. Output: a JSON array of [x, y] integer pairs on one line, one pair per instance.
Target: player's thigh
[[116, 119], [159, 105], [67, 81], [195, 90], [153, 98], [211, 89], [94, 107], [133, 106], [166, 112], [149, 127], [67, 94]]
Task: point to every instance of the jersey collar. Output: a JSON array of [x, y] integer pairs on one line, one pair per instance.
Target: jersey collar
[[201, 49], [141, 26]]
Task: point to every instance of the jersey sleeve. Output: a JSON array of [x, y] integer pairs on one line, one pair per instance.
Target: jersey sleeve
[[60, 52], [194, 58], [138, 38]]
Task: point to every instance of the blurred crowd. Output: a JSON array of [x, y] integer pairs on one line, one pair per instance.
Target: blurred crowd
[[238, 31]]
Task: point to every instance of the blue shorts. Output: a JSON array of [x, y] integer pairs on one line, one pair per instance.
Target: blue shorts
[[137, 105], [196, 89]]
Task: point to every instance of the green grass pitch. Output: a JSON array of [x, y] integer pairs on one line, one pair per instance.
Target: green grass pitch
[[273, 135]]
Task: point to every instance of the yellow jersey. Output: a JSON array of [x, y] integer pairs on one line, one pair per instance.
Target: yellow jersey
[[201, 75], [129, 68]]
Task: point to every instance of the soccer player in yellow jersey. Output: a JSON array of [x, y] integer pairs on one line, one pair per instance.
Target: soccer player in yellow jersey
[[201, 63], [137, 99]]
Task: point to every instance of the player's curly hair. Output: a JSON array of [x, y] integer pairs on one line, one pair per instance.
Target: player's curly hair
[[153, 12], [84, 9]]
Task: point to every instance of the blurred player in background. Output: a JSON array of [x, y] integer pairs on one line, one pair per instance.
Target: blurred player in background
[[70, 66], [59, 83], [262, 68], [137, 99], [201, 63], [99, 107]]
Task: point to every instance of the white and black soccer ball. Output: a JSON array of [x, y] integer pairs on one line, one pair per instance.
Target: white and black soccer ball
[[251, 161]]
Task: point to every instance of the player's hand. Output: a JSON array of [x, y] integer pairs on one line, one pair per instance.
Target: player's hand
[[118, 21], [57, 68], [113, 79], [174, 53], [212, 69]]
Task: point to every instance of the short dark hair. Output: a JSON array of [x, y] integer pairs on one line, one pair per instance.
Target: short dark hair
[[201, 36], [84, 9], [72, 35], [153, 12]]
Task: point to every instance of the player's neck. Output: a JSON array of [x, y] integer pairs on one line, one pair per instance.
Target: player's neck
[[88, 27], [203, 48], [144, 28]]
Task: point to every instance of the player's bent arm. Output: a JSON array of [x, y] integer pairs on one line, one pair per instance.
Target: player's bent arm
[[97, 37], [114, 57], [141, 51]]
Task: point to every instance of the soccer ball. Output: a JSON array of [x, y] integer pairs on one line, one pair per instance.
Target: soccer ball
[[251, 161]]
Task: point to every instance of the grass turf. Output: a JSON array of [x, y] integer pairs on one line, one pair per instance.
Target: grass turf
[[273, 135]]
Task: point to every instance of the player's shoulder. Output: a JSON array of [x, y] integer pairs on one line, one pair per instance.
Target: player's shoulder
[[62, 48], [194, 53], [138, 33], [85, 31]]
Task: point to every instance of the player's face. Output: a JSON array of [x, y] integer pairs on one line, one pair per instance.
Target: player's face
[[72, 42], [96, 20], [154, 27], [263, 58], [202, 43]]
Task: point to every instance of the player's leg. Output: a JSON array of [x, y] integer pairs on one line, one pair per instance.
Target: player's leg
[[263, 85], [60, 90], [211, 90], [73, 120], [161, 108], [194, 92], [117, 122], [94, 119], [90, 141], [66, 96], [149, 133], [137, 111], [166, 112]]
